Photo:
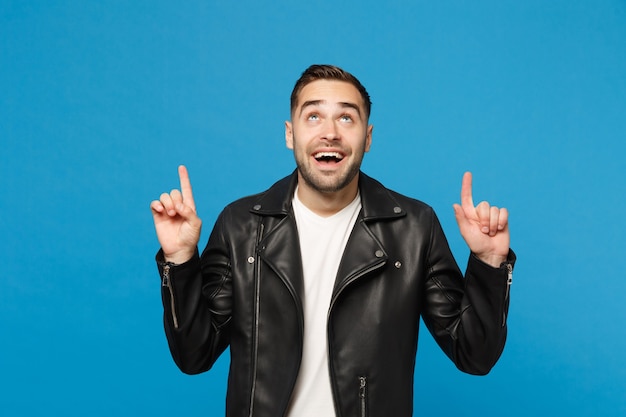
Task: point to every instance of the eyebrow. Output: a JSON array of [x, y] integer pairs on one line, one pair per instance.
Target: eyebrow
[[342, 104]]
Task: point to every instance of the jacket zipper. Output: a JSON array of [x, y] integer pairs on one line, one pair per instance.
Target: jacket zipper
[[362, 395], [362, 379], [509, 281], [166, 282], [257, 302]]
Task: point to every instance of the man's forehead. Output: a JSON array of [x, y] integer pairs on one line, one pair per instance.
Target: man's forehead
[[329, 92]]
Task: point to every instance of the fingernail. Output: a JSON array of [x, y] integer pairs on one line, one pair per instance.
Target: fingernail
[[485, 229]]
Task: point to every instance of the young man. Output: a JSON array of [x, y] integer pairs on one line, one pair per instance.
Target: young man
[[318, 284]]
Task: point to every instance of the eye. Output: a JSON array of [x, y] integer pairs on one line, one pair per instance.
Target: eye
[[313, 117], [345, 118]]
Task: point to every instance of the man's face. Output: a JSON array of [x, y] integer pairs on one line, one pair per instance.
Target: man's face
[[329, 134]]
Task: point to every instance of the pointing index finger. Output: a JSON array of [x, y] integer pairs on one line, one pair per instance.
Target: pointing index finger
[[185, 187], [466, 192]]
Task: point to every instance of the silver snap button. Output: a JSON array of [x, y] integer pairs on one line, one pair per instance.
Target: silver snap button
[[398, 264], [251, 259], [257, 207], [379, 254], [397, 209]]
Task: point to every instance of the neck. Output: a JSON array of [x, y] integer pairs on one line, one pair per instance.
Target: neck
[[326, 204]]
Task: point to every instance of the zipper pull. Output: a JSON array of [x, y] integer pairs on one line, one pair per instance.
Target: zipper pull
[[362, 384], [165, 282], [509, 268], [362, 395]]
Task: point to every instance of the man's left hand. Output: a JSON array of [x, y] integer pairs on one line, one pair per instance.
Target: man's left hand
[[484, 228]]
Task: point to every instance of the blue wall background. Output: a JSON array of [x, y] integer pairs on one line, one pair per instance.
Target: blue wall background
[[100, 101]]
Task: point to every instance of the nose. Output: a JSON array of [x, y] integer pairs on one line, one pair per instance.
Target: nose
[[330, 132]]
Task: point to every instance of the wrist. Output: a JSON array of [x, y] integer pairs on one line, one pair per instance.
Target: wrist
[[493, 260], [179, 257]]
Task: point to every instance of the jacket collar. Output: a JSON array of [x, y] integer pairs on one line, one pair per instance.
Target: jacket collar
[[376, 200]]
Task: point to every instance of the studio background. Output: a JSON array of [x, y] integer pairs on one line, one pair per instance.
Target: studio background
[[101, 101]]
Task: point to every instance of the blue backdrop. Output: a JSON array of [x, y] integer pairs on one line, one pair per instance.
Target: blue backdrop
[[100, 101]]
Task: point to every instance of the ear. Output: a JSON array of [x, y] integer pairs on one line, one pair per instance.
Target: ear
[[289, 134], [368, 138]]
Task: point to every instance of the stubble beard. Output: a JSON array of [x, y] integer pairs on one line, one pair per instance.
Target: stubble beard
[[332, 182]]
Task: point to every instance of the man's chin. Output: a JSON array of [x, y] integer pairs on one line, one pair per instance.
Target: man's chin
[[327, 184]]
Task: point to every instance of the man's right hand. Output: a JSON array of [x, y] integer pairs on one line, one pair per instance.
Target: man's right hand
[[176, 222]]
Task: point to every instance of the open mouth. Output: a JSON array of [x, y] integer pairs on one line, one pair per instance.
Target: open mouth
[[328, 157]]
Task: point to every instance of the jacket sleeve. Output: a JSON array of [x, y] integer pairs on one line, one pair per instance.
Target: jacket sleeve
[[197, 304], [466, 316]]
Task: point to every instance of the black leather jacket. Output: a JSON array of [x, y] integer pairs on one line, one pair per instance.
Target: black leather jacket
[[246, 289]]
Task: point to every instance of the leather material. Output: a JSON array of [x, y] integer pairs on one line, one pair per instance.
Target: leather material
[[245, 292]]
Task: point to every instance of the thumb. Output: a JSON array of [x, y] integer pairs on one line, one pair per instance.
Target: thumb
[[189, 214], [459, 214]]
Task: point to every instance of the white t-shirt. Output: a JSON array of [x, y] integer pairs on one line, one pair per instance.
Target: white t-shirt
[[322, 243]]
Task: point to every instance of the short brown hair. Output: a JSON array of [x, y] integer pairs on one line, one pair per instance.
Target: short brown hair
[[328, 72]]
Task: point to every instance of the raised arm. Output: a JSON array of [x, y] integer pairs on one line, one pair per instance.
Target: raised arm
[[196, 303], [468, 316], [176, 222]]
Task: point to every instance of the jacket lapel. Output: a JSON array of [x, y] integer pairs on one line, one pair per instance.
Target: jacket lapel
[[363, 254], [280, 249], [279, 246]]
